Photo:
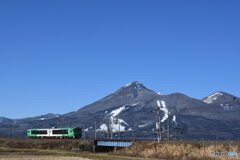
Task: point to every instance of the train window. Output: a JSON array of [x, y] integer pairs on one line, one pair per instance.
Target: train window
[[39, 131], [60, 132]]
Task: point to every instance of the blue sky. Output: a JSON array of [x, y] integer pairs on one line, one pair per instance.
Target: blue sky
[[57, 56]]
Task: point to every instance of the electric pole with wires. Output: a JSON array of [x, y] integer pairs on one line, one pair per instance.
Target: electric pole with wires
[[158, 121]]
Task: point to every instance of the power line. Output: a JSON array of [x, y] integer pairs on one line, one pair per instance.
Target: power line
[[160, 124]]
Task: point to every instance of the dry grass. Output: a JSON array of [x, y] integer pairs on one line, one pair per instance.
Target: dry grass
[[43, 154], [32, 157], [181, 150], [187, 150], [57, 144], [42, 149]]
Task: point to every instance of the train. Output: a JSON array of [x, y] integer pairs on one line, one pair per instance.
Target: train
[[60, 133]]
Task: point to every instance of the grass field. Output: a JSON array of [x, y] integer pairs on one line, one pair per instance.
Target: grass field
[[32, 157], [49, 149], [46, 154], [183, 150]]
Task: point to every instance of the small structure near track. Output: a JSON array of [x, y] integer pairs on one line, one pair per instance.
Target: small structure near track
[[107, 145]]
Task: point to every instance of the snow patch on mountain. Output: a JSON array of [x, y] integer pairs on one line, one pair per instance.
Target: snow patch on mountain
[[226, 107], [134, 104], [136, 82], [121, 121], [48, 116], [87, 129], [103, 127], [174, 120], [210, 99], [117, 127], [128, 84], [115, 112], [141, 126], [162, 106], [115, 124]]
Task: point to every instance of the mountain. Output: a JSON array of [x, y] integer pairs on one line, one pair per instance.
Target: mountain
[[130, 111], [227, 101], [19, 126], [129, 94], [3, 119], [218, 97]]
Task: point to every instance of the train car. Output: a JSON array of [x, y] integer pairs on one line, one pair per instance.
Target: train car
[[71, 133]]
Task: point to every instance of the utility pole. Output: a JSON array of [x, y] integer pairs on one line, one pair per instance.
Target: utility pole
[[14, 129], [168, 128], [108, 125], [84, 130], [110, 121], [175, 133], [95, 128], [158, 121], [160, 126], [119, 131], [9, 129], [70, 123]]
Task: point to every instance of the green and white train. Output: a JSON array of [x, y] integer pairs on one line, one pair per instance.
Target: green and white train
[[71, 133]]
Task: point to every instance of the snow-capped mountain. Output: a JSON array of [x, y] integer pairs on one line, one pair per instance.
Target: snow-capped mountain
[[130, 111], [224, 100], [218, 97]]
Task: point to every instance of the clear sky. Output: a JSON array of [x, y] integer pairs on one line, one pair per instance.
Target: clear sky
[[57, 56]]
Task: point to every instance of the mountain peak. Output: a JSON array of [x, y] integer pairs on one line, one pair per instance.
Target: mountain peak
[[135, 86], [135, 83], [218, 97], [131, 93]]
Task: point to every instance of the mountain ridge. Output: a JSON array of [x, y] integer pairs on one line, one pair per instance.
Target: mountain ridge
[[132, 106]]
